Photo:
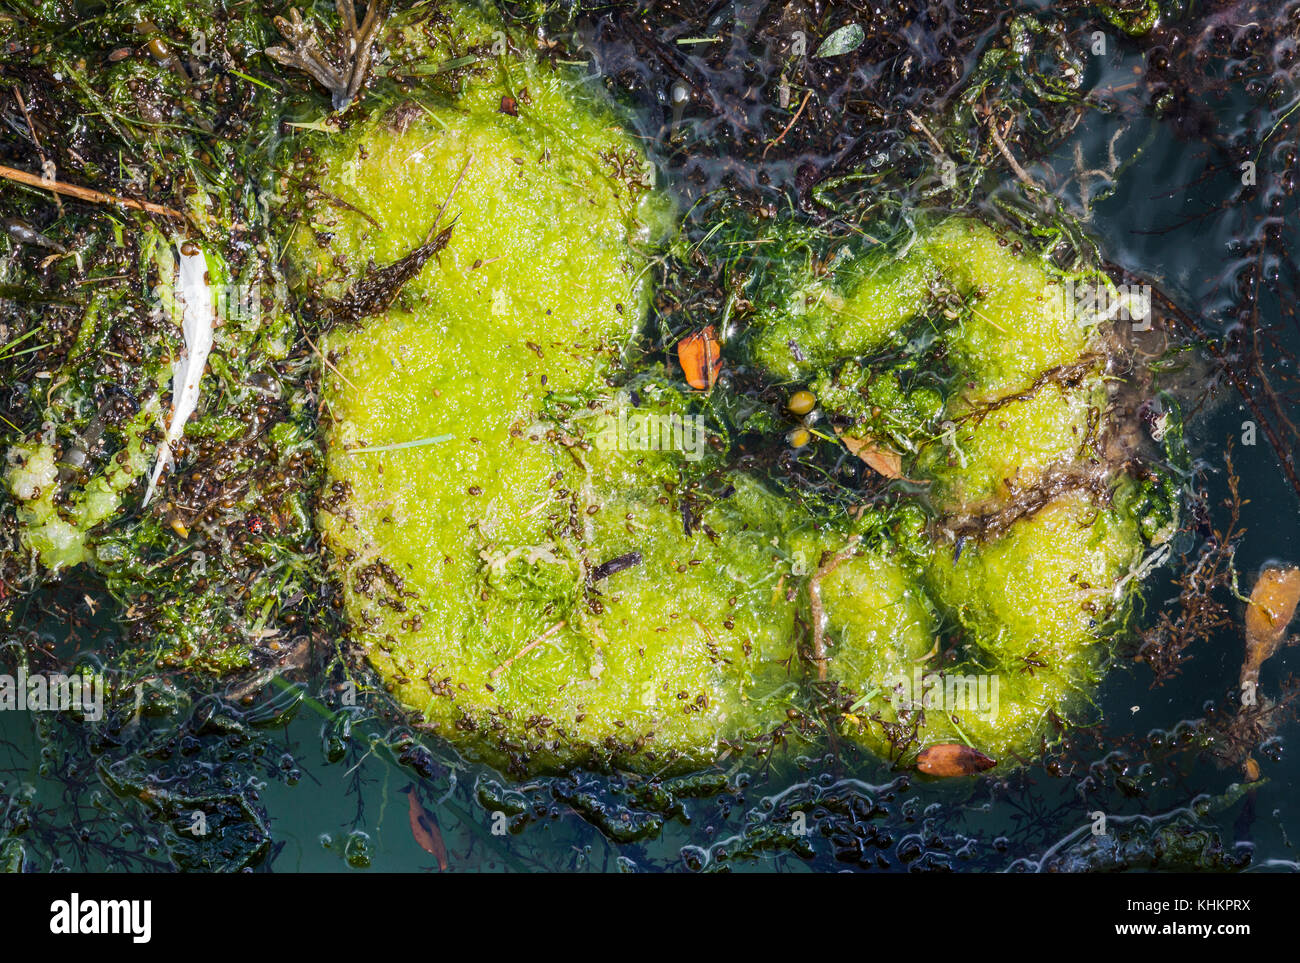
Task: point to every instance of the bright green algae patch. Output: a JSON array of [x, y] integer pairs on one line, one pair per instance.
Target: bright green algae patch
[[467, 561], [999, 627], [1027, 616], [59, 534], [547, 587], [873, 301]]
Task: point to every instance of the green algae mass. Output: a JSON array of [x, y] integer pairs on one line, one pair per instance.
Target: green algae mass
[[60, 534], [544, 551], [993, 386], [458, 555]]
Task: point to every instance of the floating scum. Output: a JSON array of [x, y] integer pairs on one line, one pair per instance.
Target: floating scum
[[544, 599]]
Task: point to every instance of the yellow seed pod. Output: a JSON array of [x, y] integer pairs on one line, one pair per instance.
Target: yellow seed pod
[[802, 402]]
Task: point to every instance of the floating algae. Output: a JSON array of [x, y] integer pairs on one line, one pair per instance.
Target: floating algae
[[58, 534], [468, 565], [988, 627], [546, 553]]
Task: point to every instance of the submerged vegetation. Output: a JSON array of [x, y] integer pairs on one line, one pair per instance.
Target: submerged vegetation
[[707, 427]]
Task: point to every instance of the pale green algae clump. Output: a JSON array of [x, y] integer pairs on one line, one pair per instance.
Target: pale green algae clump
[[1029, 605], [544, 598], [994, 629], [467, 562], [59, 533]]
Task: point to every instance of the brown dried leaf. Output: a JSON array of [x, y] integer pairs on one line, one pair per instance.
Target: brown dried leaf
[[881, 460], [425, 830], [952, 759], [700, 355], [1272, 605]]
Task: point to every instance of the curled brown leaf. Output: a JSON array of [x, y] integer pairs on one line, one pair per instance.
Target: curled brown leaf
[[1272, 606], [425, 829], [880, 460], [700, 355], [952, 759]]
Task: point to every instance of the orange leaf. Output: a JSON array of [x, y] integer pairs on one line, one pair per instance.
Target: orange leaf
[[881, 460], [425, 830], [952, 759], [1272, 605], [700, 356]]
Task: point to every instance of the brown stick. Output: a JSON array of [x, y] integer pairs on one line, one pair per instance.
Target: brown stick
[[1005, 151], [329, 364], [526, 649], [1010, 158], [827, 564], [934, 141], [790, 126], [85, 193], [18, 94]]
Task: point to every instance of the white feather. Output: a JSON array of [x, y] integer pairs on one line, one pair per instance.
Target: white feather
[[197, 319]]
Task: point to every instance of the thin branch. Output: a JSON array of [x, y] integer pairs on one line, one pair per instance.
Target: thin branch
[[934, 141], [526, 649], [790, 126], [85, 193], [450, 194], [1005, 151], [36, 140], [827, 564], [329, 364]]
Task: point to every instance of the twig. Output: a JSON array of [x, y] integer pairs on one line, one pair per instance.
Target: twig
[[790, 126], [450, 194], [934, 141], [526, 649], [1006, 153], [85, 193], [364, 37], [37, 141], [329, 364], [977, 311], [343, 79], [827, 564]]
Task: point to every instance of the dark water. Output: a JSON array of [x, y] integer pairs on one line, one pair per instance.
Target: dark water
[[802, 813]]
